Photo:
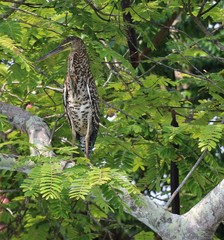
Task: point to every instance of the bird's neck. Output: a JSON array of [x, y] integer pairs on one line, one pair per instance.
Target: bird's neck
[[78, 63]]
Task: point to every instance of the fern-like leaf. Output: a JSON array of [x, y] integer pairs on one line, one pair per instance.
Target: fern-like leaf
[[51, 181], [99, 176], [80, 188], [9, 46], [208, 136], [31, 185]]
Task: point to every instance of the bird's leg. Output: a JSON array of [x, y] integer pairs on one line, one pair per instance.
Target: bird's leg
[[73, 140], [87, 139]]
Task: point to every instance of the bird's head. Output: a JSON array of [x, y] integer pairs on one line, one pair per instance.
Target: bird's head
[[71, 42]]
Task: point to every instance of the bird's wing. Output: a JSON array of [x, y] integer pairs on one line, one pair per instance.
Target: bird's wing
[[89, 94]]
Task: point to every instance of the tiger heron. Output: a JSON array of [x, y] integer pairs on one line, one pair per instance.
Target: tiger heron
[[80, 95]]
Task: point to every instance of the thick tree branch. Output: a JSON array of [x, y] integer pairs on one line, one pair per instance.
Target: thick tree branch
[[33, 126], [200, 223], [208, 213], [162, 34], [148, 212], [130, 34]]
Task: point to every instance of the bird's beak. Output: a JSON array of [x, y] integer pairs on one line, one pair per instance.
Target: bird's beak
[[60, 48]]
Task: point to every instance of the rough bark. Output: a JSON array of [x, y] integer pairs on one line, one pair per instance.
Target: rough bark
[[33, 126], [199, 223]]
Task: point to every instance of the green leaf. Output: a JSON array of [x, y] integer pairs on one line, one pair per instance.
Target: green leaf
[[144, 235]]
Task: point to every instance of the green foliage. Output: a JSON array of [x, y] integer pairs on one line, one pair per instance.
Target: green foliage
[[10, 47], [47, 181], [55, 188], [179, 71], [209, 136], [144, 235]]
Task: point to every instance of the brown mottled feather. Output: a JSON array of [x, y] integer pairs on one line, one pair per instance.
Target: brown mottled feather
[[80, 97]]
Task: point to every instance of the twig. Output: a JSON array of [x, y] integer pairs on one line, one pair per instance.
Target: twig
[[112, 106], [209, 9], [9, 190], [201, 8], [60, 90], [54, 128], [186, 178]]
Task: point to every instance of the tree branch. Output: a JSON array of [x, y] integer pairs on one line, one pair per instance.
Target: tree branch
[[203, 29], [208, 213], [130, 34], [10, 163], [207, 10], [200, 223], [33, 126], [186, 178]]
